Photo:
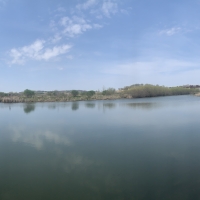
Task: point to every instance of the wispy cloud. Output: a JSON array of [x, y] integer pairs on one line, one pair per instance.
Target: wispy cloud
[[171, 31], [105, 7], [36, 51], [97, 26], [156, 66], [109, 7], [87, 4], [64, 27], [69, 27], [74, 26], [157, 71], [53, 52]]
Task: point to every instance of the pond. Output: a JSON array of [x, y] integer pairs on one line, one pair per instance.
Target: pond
[[143, 149]]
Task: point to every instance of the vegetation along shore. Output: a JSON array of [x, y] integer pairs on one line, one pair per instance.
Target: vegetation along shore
[[133, 91]]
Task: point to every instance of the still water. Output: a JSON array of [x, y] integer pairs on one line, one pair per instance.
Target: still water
[[137, 149]]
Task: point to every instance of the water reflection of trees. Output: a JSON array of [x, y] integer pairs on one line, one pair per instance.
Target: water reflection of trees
[[109, 105], [75, 106], [29, 108], [142, 105], [90, 105], [58, 105], [52, 106]]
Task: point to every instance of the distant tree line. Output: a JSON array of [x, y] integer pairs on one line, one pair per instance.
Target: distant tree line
[[2, 94], [133, 91], [89, 94]]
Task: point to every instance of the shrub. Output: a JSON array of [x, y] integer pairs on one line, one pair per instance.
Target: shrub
[[74, 93], [2, 94], [29, 93], [109, 91], [90, 93]]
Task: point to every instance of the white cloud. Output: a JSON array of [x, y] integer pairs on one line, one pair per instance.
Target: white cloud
[[33, 49], [71, 27], [74, 26], [53, 52], [16, 57], [19, 55], [36, 51], [171, 31], [109, 7], [63, 27], [99, 8], [87, 4]]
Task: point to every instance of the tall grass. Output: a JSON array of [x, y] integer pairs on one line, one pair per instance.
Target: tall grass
[[153, 91]]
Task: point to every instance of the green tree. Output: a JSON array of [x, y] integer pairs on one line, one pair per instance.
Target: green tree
[[74, 93], [90, 93], [109, 91], [29, 93], [2, 94]]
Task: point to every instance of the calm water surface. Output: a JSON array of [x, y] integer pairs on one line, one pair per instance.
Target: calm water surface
[[138, 149]]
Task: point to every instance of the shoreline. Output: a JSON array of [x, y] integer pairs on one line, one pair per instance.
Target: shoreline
[[128, 92], [12, 100]]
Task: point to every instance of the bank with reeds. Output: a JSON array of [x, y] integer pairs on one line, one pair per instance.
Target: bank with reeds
[[140, 91]]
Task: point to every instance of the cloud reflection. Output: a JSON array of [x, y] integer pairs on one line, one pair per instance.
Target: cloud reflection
[[38, 139]]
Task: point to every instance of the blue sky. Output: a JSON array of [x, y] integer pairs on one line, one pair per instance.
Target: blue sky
[[96, 44]]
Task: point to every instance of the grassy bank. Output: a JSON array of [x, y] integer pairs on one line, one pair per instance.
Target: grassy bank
[[154, 91], [139, 91]]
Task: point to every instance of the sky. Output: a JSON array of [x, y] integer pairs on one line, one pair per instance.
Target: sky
[[97, 44]]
